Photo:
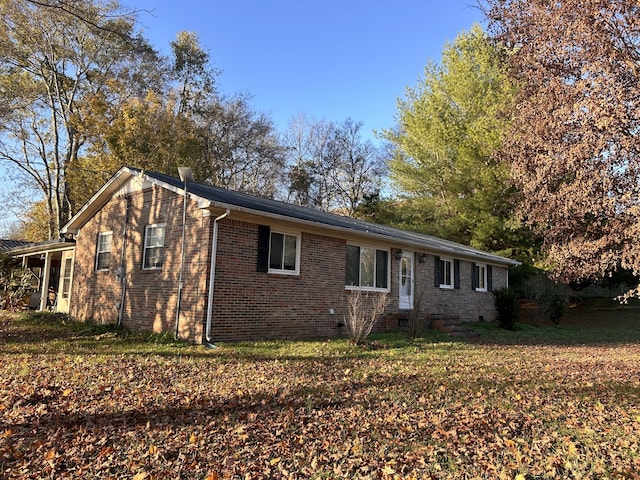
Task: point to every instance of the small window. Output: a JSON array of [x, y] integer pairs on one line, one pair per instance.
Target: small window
[[66, 277], [480, 277], [367, 268], [284, 253], [446, 273], [103, 251], [153, 246]]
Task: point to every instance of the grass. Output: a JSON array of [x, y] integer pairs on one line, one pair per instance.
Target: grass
[[84, 400]]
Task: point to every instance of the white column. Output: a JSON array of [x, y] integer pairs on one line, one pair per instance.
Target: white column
[[44, 288]]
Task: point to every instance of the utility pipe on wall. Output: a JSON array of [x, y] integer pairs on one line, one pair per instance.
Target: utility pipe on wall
[[123, 261], [185, 175], [212, 274]]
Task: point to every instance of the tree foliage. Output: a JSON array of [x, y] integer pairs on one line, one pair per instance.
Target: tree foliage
[[82, 94], [222, 139], [573, 145], [144, 132], [449, 126], [241, 149], [194, 77], [50, 63], [33, 224], [330, 166]]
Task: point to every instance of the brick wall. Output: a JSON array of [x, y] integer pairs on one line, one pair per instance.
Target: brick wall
[[254, 305], [151, 296], [248, 305], [467, 304], [463, 303]]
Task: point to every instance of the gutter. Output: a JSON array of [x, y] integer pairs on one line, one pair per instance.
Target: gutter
[[456, 250], [212, 278]]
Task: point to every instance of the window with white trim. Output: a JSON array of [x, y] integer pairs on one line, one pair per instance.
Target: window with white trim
[[367, 268], [446, 273], [103, 250], [66, 277], [480, 277], [153, 246], [284, 253]]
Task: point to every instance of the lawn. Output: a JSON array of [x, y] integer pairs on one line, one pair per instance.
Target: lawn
[[80, 401]]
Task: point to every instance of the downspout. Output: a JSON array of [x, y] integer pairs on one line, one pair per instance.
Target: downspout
[[123, 260], [212, 277]]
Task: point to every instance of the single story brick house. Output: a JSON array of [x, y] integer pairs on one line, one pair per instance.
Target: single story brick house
[[159, 253]]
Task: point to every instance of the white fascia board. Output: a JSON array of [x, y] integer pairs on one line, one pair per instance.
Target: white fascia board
[[469, 254], [98, 200], [202, 202], [110, 188]]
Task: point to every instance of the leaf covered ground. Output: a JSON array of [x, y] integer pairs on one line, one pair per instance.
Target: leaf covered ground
[[81, 402]]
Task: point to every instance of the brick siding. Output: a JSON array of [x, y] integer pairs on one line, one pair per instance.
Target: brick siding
[[248, 305], [151, 295]]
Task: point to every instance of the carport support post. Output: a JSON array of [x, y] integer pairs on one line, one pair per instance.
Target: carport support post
[[44, 288]]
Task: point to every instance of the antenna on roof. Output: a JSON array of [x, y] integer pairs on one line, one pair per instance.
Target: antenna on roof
[[186, 174]]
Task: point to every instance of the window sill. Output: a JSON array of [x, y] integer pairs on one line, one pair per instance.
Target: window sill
[[366, 289], [289, 273]]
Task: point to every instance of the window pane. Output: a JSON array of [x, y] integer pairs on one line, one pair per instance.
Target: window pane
[[104, 261], [154, 243], [155, 237], [381, 268], [367, 262], [290, 252], [103, 258], [104, 242], [66, 278], [353, 265], [153, 258], [445, 267], [275, 252]]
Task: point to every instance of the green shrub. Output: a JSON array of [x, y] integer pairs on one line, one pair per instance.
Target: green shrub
[[551, 297], [505, 301]]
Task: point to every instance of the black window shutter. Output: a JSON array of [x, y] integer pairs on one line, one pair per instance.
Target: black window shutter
[[264, 232], [456, 273], [489, 278], [474, 277], [436, 271]]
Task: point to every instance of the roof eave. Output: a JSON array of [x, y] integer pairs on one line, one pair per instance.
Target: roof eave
[[487, 257]]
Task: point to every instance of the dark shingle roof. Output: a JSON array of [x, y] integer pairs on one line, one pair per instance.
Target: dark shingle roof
[[243, 201], [9, 244]]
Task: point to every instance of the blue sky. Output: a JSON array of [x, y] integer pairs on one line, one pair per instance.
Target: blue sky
[[329, 60]]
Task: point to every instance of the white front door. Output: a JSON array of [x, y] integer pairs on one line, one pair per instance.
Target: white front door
[[64, 287], [406, 281]]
